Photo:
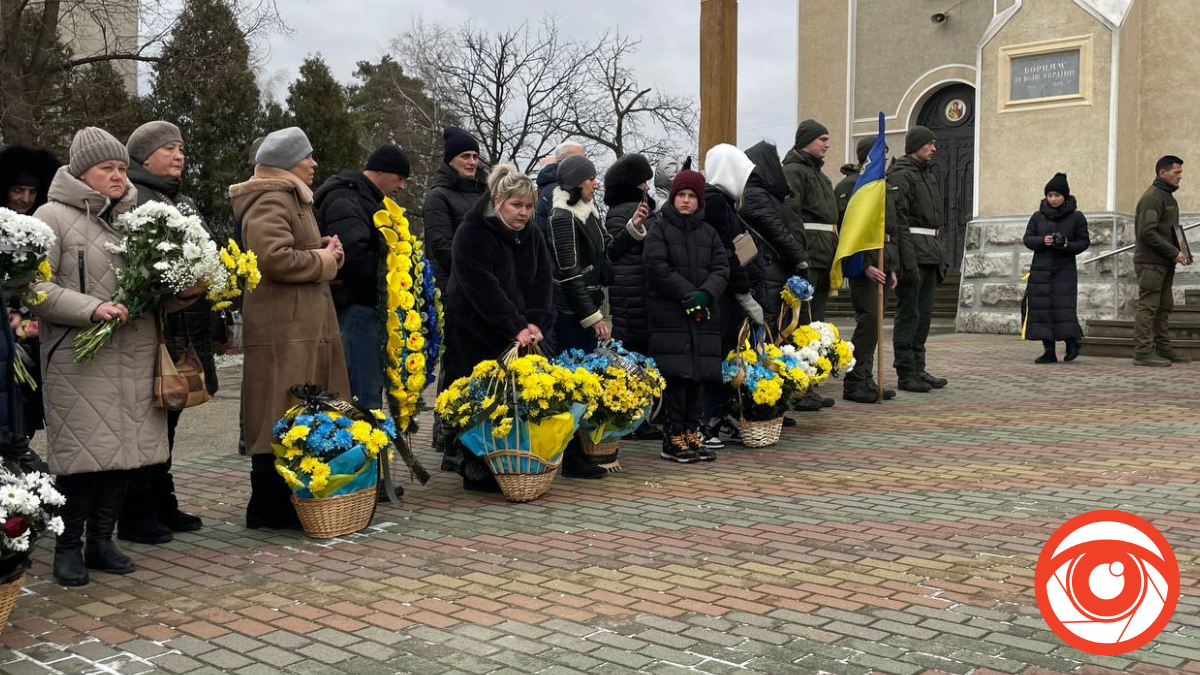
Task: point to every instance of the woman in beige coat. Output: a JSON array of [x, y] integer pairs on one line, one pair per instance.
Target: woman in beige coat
[[290, 329], [100, 419]]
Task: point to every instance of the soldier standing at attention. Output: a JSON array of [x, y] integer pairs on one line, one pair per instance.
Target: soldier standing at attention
[[919, 211], [812, 213]]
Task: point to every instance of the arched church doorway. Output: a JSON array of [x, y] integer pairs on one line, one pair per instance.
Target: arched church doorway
[[950, 114]]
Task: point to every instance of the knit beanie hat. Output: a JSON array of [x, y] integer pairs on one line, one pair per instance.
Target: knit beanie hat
[[150, 137], [809, 131], [1058, 184], [252, 153], [573, 170], [687, 180], [917, 138], [457, 142], [864, 148], [91, 146], [284, 149], [388, 159]]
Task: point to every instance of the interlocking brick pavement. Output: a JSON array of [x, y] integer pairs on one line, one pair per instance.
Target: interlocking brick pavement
[[899, 538]]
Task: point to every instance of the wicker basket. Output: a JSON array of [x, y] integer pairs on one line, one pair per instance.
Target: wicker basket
[[761, 434], [336, 516], [523, 477], [8, 599]]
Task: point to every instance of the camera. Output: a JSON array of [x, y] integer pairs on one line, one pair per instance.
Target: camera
[[1059, 240], [938, 17]]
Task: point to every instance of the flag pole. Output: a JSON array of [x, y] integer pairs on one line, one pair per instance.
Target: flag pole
[[879, 325]]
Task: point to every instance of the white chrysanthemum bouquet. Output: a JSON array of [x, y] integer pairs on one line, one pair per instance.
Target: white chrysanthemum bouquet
[[28, 507], [164, 252], [24, 243]]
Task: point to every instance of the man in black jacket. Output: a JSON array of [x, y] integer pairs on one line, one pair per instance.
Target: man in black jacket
[[346, 205], [813, 208], [919, 211]]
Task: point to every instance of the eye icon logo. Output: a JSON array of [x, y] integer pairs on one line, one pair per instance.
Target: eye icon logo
[[1107, 582]]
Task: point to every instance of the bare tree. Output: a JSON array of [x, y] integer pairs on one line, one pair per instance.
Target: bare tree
[[511, 88], [521, 91], [43, 41]]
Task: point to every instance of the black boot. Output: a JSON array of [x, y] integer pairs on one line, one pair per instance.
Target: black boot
[[100, 552], [270, 503], [69, 569], [1072, 350], [1046, 357], [138, 522], [167, 508], [575, 463]]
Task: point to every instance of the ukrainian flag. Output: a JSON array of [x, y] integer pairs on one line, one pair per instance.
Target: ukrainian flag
[[863, 225]]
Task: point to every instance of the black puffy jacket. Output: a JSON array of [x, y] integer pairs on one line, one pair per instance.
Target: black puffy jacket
[[721, 214], [346, 206], [583, 255], [446, 203], [684, 254], [12, 413], [1050, 296], [627, 293], [192, 324]]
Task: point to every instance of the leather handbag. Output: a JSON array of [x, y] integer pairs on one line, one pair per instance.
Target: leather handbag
[[744, 248], [178, 384]]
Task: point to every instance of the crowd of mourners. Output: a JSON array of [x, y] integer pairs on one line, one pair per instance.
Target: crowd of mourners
[[563, 260]]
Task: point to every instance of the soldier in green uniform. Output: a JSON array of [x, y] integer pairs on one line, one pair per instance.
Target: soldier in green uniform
[[919, 216], [812, 207], [859, 385], [1155, 255]]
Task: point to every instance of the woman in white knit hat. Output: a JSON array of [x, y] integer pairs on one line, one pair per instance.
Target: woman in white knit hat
[[100, 419]]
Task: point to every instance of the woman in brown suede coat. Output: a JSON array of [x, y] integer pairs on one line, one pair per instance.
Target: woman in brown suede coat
[[290, 329]]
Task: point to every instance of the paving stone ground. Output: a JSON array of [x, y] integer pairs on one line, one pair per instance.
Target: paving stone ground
[[899, 539]]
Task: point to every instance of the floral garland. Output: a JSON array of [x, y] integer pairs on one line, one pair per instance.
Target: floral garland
[[411, 305]]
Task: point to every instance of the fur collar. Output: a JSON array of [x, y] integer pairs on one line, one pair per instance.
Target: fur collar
[[271, 179], [581, 210]]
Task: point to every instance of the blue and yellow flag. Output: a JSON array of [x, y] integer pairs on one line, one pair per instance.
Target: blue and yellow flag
[[863, 225]]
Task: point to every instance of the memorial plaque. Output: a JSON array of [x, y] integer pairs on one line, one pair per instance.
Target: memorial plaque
[[1044, 75]]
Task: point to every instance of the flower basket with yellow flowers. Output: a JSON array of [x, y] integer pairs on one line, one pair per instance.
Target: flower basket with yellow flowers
[[519, 413], [758, 389], [629, 385], [327, 450]]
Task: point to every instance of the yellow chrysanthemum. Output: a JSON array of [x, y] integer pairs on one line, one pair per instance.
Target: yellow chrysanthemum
[[296, 433]]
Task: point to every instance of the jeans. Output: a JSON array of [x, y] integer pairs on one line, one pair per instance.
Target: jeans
[[362, 340]]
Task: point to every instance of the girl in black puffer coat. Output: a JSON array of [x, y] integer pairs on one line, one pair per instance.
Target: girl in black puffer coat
[[687, 271], [1056, 234], [625, 186]]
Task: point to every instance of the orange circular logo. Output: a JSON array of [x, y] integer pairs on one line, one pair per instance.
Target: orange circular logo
[[1107, 582]]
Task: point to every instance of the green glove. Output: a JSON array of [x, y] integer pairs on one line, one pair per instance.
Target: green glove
[[696, 300]]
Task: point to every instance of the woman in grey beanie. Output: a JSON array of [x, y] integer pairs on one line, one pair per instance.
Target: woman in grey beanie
[[101, 423], [290, 326]]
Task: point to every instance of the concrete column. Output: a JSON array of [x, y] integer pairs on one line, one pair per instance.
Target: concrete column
[[718, 73]]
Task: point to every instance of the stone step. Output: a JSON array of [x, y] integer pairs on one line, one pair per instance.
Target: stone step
[[1123, 348], [1181, 329]]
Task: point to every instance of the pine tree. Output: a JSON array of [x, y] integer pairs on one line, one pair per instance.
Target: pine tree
[[318, 105], [204, 85]]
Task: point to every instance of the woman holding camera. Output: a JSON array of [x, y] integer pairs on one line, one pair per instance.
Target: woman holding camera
[[1057, 233]]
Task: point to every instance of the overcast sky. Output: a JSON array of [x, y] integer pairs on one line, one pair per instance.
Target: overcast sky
[[668, 57]]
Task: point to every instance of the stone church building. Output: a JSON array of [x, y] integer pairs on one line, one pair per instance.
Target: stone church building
[[1017, 90]]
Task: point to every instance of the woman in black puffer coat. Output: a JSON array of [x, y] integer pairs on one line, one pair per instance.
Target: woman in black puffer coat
[[780, 255], [1056, 234], [625, 188]]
